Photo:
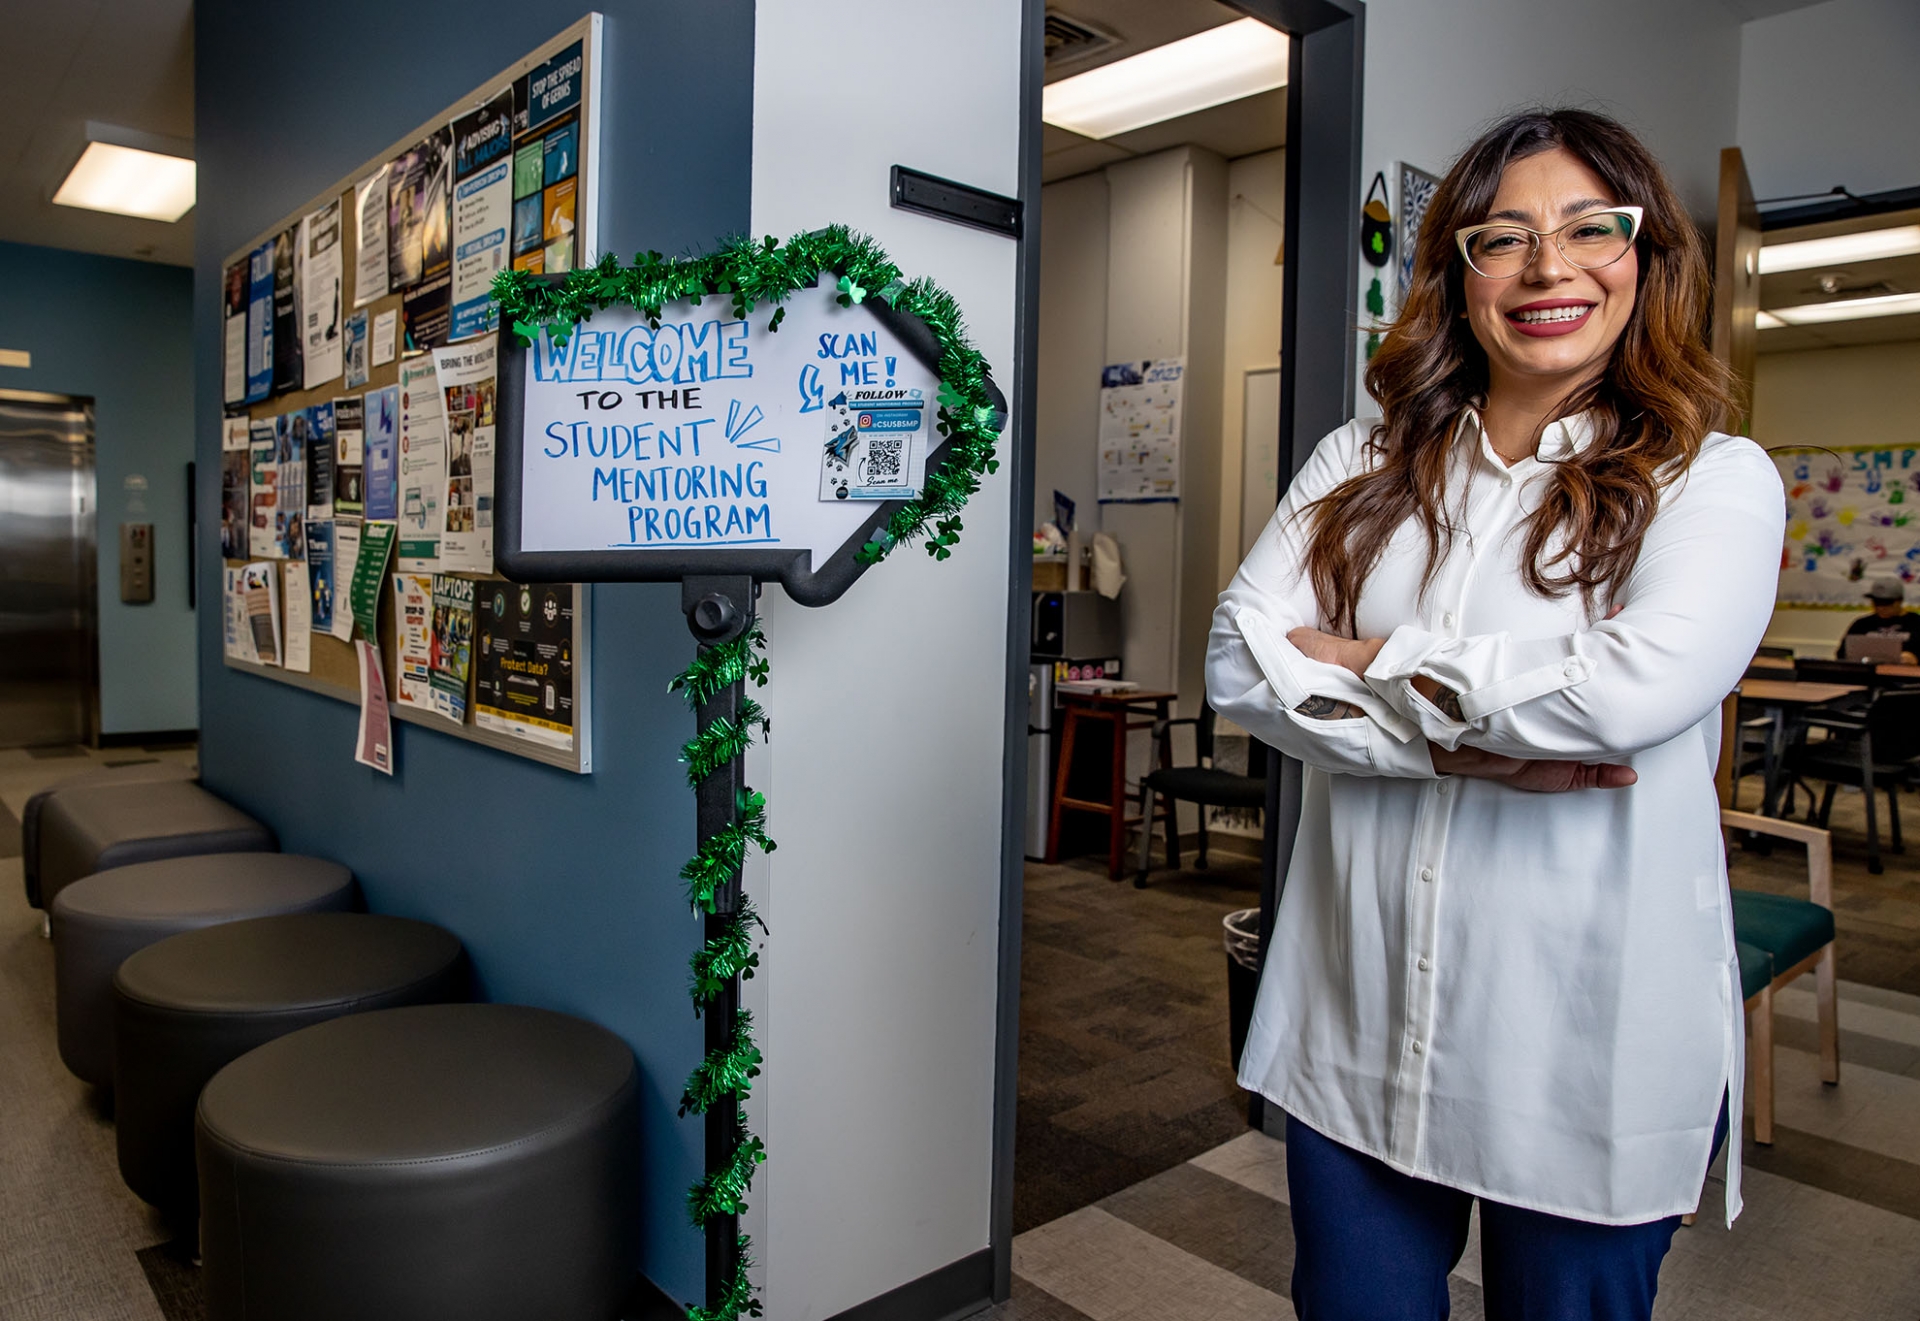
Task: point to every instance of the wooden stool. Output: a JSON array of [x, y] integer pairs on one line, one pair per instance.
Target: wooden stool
[[1122, 712]]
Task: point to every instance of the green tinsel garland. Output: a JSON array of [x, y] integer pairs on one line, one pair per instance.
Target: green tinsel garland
[[718, 668], [722, 853], [750, 274], [721, 741], [724, 1192], [728, 1070], [738, 1300]]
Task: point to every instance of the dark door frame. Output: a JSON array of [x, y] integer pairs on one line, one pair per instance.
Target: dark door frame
[[1320, 281]]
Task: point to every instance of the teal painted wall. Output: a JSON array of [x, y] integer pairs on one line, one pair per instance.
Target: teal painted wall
[[122, 332]]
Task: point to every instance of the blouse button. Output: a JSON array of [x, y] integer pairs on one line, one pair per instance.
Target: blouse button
[[1447, 619], [1419, 1047], [1441, 788], [1424, 965], [1426, 873]]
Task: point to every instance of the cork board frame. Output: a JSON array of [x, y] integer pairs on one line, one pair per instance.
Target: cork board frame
[[334, 670]]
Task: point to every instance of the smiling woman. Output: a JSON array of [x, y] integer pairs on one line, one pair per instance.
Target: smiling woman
[[1497, 628]]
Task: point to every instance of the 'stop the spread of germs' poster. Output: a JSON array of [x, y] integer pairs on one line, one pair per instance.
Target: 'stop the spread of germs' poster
[[1853, 514]]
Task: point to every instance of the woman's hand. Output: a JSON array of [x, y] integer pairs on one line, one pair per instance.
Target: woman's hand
[[1532, 776], [1331, 649]]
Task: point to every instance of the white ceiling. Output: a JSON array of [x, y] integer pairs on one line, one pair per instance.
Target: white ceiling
[[128, 63], [1238, 128], [1794, 288]]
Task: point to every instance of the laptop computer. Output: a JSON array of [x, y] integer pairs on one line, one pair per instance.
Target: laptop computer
[[1877, 648]]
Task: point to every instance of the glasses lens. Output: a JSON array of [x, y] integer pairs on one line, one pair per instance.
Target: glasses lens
[[1597, 240], [1501, 251]]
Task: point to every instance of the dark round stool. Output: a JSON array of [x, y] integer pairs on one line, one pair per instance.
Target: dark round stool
[[445, 1163], [187, 1006], [100, 919]]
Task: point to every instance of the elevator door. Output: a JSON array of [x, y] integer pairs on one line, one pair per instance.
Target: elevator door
[[48, 671]]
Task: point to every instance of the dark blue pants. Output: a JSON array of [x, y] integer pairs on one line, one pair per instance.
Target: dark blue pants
[[1372, 1244]]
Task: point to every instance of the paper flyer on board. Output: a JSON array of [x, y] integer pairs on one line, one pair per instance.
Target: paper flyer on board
[[346, 554], [381, 343], [290, 506], [369, 575], [320, 295], [482, 211], [1139, 438], [423, 464], [380, 423], [260, 593], [320, 456], [413, 639], [466, 377], [546, 164], [320, 541], [233, 325], [452, 645], [523, 665], [419, 239], [233, 488], [349, 441], [298, 595], [288, 342], [370, 223], [353, 366], [263, 477], [238, 644], [373, 741], [260, 323]]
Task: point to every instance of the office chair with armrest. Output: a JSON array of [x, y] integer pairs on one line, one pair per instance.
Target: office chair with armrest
[[1874, 744]]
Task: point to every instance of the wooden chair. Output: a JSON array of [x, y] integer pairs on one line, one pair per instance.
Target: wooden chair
[[1797, 935]]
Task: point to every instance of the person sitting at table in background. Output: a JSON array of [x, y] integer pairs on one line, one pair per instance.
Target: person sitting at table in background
[[1890, 619]]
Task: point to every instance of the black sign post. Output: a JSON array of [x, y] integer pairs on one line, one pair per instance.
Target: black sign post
[[693, 447]]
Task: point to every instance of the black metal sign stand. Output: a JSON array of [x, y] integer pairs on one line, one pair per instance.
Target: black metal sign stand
[[718, 610]]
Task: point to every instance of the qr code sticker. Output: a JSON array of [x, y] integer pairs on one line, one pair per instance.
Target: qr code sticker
[[885, 454]]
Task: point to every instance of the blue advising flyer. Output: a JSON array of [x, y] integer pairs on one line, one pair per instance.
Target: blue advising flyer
[[381, 451], [482, 211]]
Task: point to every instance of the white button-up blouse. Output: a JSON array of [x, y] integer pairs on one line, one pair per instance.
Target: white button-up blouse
[[1530, 997]]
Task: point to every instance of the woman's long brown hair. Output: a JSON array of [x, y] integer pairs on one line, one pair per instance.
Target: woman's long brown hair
[[1660, 395]]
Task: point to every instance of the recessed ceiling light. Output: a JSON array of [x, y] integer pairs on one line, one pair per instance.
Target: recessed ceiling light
[[1207, 69], [1869, 245], [1846, 309], [128, 180]]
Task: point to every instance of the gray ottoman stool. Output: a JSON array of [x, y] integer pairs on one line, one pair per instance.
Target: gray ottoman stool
[[448, 1163], [99, 920], [187, 1006], [83, 831], [144, 773]]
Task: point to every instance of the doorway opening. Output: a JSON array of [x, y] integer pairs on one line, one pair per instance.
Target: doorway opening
[[1188, 296]]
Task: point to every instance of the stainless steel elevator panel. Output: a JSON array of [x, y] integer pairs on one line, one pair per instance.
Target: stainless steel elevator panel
[[49, 685]]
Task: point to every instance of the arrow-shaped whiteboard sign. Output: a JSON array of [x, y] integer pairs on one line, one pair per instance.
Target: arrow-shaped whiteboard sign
[[709, 444]]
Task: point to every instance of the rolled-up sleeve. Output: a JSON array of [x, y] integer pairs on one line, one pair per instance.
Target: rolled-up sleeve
[[1255, 677], [1693, 610]]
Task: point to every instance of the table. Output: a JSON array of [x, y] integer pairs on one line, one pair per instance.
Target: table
[[1898, 671], [1781, 663], [1776, 697], [1122, 712]]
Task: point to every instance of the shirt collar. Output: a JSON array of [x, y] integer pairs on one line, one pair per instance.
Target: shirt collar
[[1561, 440]]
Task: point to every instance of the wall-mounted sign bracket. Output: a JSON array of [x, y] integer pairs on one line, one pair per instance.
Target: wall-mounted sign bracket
[[960, 203]]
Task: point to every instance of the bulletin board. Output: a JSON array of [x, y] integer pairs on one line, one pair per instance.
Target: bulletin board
[[1853, 515], [508, 174]]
